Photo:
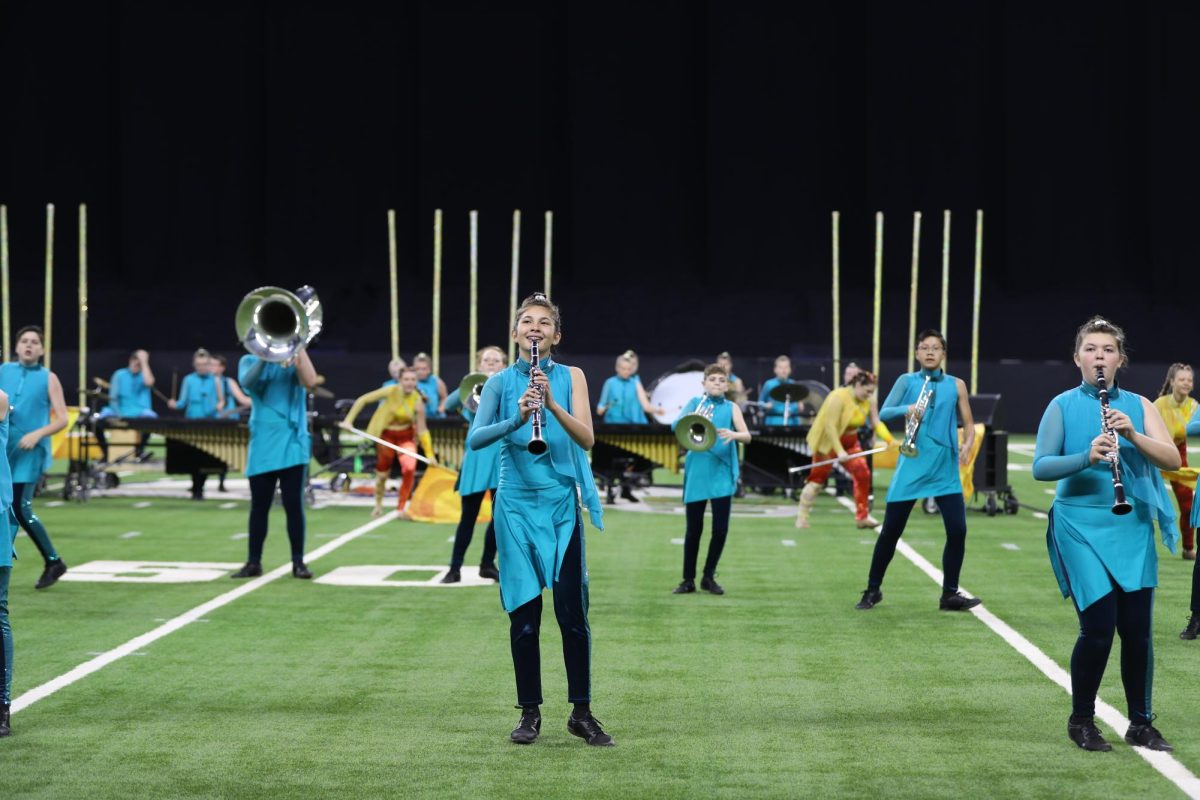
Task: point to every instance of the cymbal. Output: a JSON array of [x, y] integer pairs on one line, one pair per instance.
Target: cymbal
[[103, 384], [322, 392], [789, 392]]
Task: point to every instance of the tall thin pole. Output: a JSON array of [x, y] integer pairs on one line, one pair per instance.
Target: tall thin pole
[[878, 291], [836, 378], [546, 250], [392, 283], [912, 288], [975, 312], [437, 291], [83, 304], [516, 261], [49, 305], [7, 321], [473, 335], [945, 275]]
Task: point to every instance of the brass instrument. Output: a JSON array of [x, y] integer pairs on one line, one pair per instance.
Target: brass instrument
[[1120, 504], [470, 389], [275, 324], [695, 431], [537, 445], [913, 424]]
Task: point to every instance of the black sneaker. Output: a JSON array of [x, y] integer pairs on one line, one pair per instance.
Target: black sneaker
[[5, 715], [957, 602], [249, 570], [869, 599], [301, 570], [452, 576], [1193, 628], [709, 584], [684, 587], [1084, 733], [588, 728], [627, 494], [528, 728], [1143, 734], [50, 575], [488, 571]]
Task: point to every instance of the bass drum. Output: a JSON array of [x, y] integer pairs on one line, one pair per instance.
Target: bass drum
[[672, 391]]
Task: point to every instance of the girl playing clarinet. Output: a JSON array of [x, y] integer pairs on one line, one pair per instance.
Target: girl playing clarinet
[[1106, 561]]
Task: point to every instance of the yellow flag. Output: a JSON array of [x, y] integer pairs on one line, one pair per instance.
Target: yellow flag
[[435, 500], [967, 471]]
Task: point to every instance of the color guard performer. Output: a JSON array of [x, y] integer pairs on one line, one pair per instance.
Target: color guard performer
[[38, 411], [936, 401], [1176, 407], [539, 530], [1105, 561]]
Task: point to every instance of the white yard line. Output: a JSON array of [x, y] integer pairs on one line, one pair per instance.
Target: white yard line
[[134, 645], [1167, 765]]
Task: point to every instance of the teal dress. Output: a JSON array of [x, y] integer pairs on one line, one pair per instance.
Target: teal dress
[[429, 390], [1090, 547], [480, 469], [537, 501], [775, 408], [619, 399], [198, 396], [713, 472], [28, 390], [934, 470], [8, 526], [279, 436]]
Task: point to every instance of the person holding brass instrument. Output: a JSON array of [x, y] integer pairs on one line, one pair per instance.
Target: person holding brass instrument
[[479, 474], [1176, 406], [710, 474], [623, 400], [1104, 446], [539, 411], [834, 435], [399, 420], [933, 404]]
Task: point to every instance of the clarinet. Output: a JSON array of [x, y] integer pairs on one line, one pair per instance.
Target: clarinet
[[537, 445], [1120, 504]]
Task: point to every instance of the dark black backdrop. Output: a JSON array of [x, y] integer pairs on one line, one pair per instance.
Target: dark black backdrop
[[691, 152]]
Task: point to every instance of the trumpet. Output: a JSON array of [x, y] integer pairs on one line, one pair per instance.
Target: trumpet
[[470, 389], [913, 424], [537, 445], [696, 431], [275, 324], [1120, 504]]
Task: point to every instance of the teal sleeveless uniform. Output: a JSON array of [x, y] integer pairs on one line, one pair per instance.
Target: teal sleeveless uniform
[[619, 399], [537, 501], [1087, 543], [8, 533], [279, 436], [28, 390], [480, 469], [714, 472], [198, 396], [429, 390], [934, 471]]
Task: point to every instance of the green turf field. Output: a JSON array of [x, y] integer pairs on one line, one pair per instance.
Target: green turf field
[[778, 689]]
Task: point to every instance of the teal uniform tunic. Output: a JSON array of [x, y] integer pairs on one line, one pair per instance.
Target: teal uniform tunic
[[28, 390], [230, 400], [619, 399], [198, 396], [775, 408], [429, 390], [1090, 547], [8, 527], [537, 502], [279, 435], [480, 469], [934, 471], [133, 395], [714, 472]]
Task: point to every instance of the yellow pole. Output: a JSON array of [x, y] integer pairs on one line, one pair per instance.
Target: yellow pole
[[975, 312], [49, 305], [437, 290], [7, 322], [83, 305], [512, 295], [878, 291], [912, 289], [392, 284], [473, 335], [945, 276], [549, 238], [836, 378]]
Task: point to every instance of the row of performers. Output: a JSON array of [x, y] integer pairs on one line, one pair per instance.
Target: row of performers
[[1106, 564]]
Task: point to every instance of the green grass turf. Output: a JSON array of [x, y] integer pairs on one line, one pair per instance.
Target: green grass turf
[[778, 689]]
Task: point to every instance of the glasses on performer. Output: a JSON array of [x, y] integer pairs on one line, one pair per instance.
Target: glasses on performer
[[930, 348]]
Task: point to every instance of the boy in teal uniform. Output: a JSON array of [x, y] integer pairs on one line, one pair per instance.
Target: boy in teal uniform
[[430, 386], [280, 449], [777, 410], [200, 397], [539, 530], [710, 475], [933, 472], [8, 531], [38, 411]]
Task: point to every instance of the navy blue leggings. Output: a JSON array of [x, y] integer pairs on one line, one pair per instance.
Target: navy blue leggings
[[570, 609], [694, 512], [262, 494], [6, 640], [895, 517], [1196, 587], [471, 504], [1130, 615]]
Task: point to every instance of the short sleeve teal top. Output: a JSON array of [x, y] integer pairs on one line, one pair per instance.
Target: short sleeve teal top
[[934, 470], [279, 436]]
